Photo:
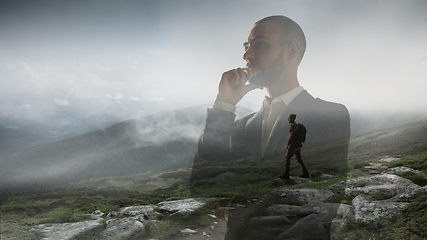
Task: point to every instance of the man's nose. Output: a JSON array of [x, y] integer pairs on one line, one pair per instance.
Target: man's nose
[[248, 56]]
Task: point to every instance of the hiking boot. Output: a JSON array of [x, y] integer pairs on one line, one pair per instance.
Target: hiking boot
[[285, 176], [304, 175]]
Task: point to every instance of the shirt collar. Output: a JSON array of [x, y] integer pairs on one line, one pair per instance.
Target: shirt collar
[[287, 97]]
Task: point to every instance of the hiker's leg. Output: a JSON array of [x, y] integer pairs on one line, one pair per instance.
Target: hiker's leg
[[301, 163], [289, 154]]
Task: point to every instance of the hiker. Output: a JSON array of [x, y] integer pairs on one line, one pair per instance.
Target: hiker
[[297, 135]]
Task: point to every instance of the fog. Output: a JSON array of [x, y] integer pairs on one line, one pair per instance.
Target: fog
[[134, 58]]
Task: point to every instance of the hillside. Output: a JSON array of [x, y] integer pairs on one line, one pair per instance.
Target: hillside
[[161, 141], [243, 179]]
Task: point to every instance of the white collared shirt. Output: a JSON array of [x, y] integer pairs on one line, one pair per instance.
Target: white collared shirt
[[270, 112]]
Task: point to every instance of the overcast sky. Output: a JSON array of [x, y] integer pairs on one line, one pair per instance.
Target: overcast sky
[[368, 55]]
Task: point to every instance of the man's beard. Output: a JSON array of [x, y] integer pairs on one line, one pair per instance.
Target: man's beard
[[271, 75]]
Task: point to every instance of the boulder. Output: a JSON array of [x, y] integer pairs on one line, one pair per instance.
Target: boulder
[[370, 211], [271, 220], [96, 214], [76, 230], [387, 159], [308, 228], [289, 210], [121, 228], [327, 212], [338, 221], [143, 212], [415, 193], [398, 170], [304, 195], [184, 206], [388, 185]]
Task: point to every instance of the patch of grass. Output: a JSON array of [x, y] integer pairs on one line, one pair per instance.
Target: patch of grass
[[416, 216], [378, 196], [352, 173], [361, 184], [339, 198], [16, 229], [415, 161], [351, 224]]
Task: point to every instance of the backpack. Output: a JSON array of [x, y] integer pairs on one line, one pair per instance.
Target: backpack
[[301, 132]]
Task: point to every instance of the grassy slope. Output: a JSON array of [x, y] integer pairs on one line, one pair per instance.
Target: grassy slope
[[248, 176]]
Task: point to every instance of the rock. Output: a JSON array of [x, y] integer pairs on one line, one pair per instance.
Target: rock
[[77, 230], [398, 170], [304, 195], [415, 193], [187, 230], [388, 185], [370, 211], [374, 166], [338, 221], [325, 175], [143, 212], [327, 212], [121, 228], [289, 210], [97, 214], [270, 220], [385, 190], [185, 206], [388, 159], [308, 228], [343, 209]]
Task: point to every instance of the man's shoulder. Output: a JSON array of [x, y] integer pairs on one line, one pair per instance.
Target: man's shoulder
[[330, 106], [306, 101]]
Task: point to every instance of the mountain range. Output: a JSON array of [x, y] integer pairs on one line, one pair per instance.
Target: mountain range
[[161, 141]]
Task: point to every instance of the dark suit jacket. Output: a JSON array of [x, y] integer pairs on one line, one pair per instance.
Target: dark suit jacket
[[224, 138]]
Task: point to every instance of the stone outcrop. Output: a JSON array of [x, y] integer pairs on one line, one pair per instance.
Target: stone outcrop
[[185, 206], [77, 230], [289, 210], [120, 228], [374, 198], [388, 185], [370, 211], [308, 228], [121, 224], [399, 170], [415, 193], [268, 220], [304, 195], [140, 212]]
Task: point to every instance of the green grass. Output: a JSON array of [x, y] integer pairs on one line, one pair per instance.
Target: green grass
[[416, 161], [240, 179], [22, 210]]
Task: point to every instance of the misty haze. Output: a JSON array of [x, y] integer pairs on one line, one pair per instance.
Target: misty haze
[[102, 104]]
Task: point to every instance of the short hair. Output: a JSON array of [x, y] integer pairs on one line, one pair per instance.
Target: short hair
[[293, 115], [290, 31]]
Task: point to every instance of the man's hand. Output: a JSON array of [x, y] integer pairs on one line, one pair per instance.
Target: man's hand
[[232, 86]]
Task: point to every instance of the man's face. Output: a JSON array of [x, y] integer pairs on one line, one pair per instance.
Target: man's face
[[264, 54]]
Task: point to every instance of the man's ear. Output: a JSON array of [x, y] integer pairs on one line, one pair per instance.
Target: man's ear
[[293, 50]]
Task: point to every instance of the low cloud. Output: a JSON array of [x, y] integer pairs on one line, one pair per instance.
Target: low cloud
[[61, 102]]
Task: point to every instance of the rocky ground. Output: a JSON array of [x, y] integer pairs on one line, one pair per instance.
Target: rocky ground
[[283, 214]]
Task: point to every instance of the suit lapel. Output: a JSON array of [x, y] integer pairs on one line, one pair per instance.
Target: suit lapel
[[280, 134]]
